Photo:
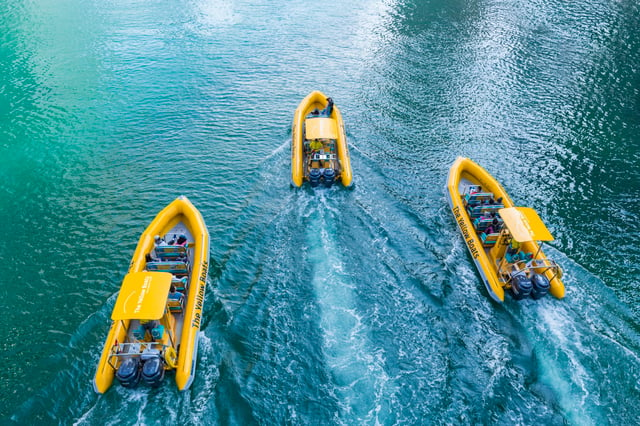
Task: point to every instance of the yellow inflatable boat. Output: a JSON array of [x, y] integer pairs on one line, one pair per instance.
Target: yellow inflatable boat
[[319, 152], [156, 317], [505, 241]]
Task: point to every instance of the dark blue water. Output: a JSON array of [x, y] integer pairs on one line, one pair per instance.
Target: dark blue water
[[329, 306]]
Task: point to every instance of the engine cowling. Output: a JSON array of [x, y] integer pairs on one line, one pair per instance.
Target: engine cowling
[[541, 286], [128, 373], [521, 286]]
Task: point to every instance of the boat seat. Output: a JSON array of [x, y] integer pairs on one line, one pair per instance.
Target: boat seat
[[489, 240], [483, 209], [176, 268], [477, 198], [180, 283], [171, 252], [139, 333], [175, 306], [157, 332], [482, 223]]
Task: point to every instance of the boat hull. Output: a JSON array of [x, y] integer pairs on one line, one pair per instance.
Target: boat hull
[[466, 170], [317, 99], [179, 211]]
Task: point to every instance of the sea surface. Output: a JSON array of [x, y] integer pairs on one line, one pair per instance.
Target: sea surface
[[328, 306]]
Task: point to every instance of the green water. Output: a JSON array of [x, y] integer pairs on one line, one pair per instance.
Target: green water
[[333, 306]]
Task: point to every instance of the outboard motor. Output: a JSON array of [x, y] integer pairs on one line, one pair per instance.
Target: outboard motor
[[153, 371], [540, 286], [153, 368], [520, 286], [314, 177], [128, 373], [329, 177]]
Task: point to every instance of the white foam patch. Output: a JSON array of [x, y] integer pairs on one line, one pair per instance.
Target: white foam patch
[[212, 13]]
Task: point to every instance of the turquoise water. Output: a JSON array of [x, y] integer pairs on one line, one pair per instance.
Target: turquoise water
[[333, 306]]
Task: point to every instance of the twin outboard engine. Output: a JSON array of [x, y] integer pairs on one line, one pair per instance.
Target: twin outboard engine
[[314, 177], [541, 286], [327, 175], [521, 286], [153, 367], [128, 373], [149, 366]]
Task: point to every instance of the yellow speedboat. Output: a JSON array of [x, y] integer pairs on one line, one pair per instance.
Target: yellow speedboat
[[504, 241], [319, 152], [156, 318]]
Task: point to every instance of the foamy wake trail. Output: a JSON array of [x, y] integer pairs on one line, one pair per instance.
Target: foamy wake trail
[[359, 378], [577, 348]]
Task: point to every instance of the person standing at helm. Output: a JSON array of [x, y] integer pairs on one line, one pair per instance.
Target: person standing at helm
[[329, 108], [315, 145], [514, 246]]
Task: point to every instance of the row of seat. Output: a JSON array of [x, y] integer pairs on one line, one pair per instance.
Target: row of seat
[[177, 268], [171, 252], [173, 259], [482, 210], [480, 203], [157, 333]]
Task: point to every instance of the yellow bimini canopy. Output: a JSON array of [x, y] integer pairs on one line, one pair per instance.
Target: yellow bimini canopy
[[143, 295], [321, 128], [524, 224]]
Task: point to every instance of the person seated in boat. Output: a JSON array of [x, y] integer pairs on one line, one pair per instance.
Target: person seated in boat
[[182, 240], [149, 325], [158, 241], [475, 190], [175, 295], [494, 227]]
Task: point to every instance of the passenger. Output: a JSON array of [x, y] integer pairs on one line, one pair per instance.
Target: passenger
[[493, 228], [157, 242], [476, 189], [315, 145], [513, 248], [314, 113], [149, 325], [175, 295], [329, 108], [182, 240], [487, 215]]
